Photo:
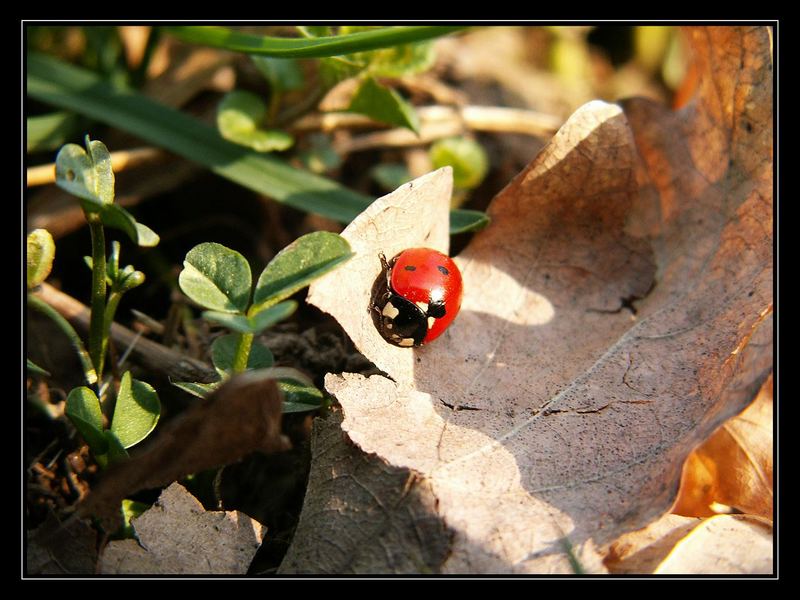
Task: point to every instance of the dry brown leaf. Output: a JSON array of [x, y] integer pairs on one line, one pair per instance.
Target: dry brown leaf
[[61, 548], [553, 410], [640, 552], [734, 466], [242, 416], [674, 544], [177, 536], [390, 513], [723, 545], [493, 64]]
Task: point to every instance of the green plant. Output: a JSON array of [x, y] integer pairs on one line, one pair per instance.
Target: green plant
[[136, 413], [370, 68], [69, 87], [467, 157], [86, 173], [219, 279], [41, 252], [244, 118]]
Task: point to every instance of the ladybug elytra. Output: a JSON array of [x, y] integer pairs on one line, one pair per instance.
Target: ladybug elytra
[[416, 296]]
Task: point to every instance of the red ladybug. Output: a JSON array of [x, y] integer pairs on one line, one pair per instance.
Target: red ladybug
[[416, 296]]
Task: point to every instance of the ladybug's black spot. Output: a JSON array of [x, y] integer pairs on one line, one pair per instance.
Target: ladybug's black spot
[[410, 268], [443, 270]]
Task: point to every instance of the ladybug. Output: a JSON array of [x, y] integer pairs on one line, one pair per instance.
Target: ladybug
[[416, 296]]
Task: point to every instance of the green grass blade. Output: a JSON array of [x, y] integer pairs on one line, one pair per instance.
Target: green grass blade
[[222, 37], [68, 87], [52, 81]]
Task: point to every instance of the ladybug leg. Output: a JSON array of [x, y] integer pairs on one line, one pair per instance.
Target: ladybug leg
[[387, 270]]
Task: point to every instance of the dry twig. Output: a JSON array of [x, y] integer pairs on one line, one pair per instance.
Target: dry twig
[[435, 122], [120, 160], [151, 354]]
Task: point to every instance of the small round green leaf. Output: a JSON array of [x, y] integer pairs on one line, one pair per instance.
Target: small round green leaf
[[40, 254], [239, 118], [83, 409], [217, 278], [264, 140], [136, 412], [116, 451], [467, 157], [145, 236], [383, 104], [86, 173], [113, 215], [223, 351], [297, 265], [240, 111]]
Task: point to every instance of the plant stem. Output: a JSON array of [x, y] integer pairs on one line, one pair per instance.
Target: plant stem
[[97, 333], [150, 354], [111, 308], [88, 369], [242, 352]]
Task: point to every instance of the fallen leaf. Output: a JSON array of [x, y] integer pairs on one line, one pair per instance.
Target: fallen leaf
[[674, 544], [61, 548], [177, 536], [734, 466], [358, 507], [242, 416], [616, 311], [723, 545], [640, 552]]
